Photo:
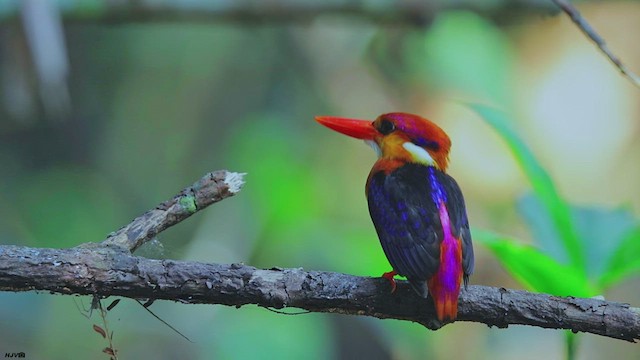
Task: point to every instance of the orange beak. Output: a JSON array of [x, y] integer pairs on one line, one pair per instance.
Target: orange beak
[[359, 129]]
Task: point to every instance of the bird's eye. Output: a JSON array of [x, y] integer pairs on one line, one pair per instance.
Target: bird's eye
[[386, 127]]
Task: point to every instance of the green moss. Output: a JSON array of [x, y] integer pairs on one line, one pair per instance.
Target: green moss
[[189, 202]]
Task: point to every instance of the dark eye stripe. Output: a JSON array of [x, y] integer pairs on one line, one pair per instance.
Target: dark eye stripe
[[429, 144]]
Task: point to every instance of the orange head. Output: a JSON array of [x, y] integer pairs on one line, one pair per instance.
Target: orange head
[[398, 136]]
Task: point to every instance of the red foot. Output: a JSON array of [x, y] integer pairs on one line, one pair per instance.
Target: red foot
[[389, 276]]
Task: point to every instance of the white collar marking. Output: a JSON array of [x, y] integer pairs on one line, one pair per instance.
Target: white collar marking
[[419, 154]]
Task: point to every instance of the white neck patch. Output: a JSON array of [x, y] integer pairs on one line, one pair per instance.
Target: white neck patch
[[419, 154], [374, 146]]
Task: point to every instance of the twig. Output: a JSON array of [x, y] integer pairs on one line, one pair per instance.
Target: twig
[[584, 26], [109, 272], [146, 308], [210, 189], [104, 330]]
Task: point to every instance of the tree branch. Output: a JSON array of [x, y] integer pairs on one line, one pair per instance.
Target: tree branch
[[586, 29], [108, 269], [109, 272], [410, 12]]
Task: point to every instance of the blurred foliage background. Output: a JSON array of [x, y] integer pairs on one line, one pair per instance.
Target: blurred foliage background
[[101, 120]]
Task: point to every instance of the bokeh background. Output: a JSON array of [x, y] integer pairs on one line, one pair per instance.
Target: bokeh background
[[104, 114]]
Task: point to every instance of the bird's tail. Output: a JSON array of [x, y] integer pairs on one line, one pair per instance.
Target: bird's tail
[[446, 304], [444, 286]]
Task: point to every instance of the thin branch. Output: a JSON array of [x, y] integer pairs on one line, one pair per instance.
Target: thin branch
[[584, 26], [408, 12], [210, 189], [113, 272]]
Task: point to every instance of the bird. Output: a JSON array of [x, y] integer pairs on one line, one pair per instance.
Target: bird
[[417, 209]]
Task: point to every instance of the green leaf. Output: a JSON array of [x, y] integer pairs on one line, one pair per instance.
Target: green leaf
[[534, 269], [625, 261], [541, 227], [541, 182], [600, 231]]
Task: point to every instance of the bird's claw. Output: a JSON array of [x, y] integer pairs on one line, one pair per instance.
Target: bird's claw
[[389, 276]]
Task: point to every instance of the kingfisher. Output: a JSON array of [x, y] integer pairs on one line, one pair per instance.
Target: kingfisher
[[417, 209]]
